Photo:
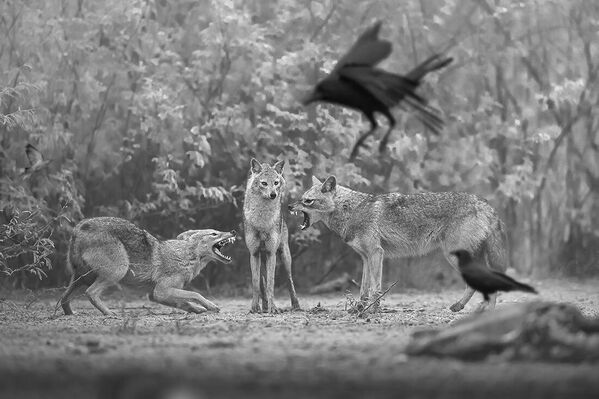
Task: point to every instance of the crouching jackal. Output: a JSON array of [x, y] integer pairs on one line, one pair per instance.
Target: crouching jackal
[[266, 232], [107, 251], [404, 225]]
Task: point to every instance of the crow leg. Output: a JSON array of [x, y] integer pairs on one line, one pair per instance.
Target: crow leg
[[360, 142], [383, 143]]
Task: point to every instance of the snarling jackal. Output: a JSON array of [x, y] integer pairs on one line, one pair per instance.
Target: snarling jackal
[[107, 251], [404, 225]]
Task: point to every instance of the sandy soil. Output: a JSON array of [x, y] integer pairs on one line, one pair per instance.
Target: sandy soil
[[151, 351]]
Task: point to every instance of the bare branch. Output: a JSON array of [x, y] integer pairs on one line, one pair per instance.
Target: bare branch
[[324, 22]]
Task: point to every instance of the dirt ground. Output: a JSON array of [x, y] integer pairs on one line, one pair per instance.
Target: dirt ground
[[151, 351]]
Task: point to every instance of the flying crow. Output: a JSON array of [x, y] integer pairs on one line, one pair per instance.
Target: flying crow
[[356, 83]]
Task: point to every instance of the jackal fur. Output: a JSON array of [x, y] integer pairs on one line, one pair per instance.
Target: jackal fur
[[266, 232], [108, 251], [403, 225]]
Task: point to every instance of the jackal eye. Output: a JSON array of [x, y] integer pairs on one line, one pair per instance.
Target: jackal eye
[[276, 182], [264, 183], [308, 201], [213, 234]]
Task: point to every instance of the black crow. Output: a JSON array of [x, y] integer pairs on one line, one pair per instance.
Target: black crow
[[357, 84], [484, 280]]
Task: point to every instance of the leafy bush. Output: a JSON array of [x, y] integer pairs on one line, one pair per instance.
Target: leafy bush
[[152, 111]]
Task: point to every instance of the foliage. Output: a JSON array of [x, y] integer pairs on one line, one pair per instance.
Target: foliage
[[151, 110], [21, 236]]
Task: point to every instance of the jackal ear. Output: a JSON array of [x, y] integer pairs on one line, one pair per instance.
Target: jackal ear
[[255, 166], [278, 167], [186, 234], [329, 184], [315, 181]]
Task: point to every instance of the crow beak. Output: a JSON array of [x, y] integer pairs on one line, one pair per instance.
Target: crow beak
[[310, 98]]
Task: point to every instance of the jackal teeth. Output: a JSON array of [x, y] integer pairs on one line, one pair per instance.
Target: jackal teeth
[[225, 241], [306, 222], [220, 245], [219, 253]]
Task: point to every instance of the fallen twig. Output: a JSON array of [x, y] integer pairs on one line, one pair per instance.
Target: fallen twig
[[377, 299]]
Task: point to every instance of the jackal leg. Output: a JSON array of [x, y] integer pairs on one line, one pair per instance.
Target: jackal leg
[[255, 262], [459, 305], [271, 264], [95, 290], [365, 285], [182, 299], [468, 292], [263, 287], [376, 257], [65, 300], [286, 259]]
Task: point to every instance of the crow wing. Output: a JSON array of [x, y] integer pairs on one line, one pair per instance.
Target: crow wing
[[511, 283], [368, 50], [479, 279], [431, 64], [388, 88], [391, 89]]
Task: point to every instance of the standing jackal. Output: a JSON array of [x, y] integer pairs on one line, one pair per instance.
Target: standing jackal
[[404, 225], [106, 251], [266, 232]]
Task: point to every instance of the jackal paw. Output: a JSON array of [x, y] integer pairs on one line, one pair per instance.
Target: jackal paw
[[272, 309], [195, 308], [358, 306], [456, 307], [255, 308], [211, 307]]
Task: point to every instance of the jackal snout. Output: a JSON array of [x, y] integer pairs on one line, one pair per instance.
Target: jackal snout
[[210, 242], [316, 202], [266, 181]]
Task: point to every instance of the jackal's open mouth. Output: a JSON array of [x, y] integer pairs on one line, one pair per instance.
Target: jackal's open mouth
[[306, 223], [216, 248]]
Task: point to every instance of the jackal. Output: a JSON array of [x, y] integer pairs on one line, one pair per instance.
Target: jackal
[[266, 232], [404, 225], [106, 251]]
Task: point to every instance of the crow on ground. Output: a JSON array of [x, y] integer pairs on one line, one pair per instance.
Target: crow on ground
[[484, 280], [356, 83]]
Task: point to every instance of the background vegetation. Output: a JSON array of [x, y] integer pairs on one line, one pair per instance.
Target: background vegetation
[[152, 109]]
